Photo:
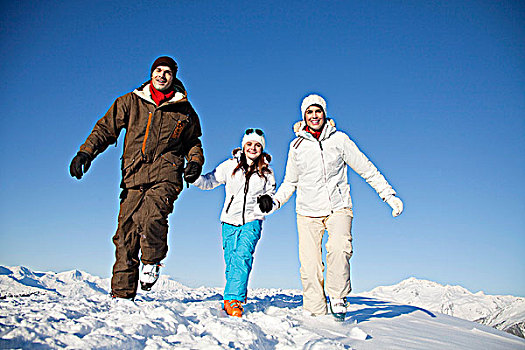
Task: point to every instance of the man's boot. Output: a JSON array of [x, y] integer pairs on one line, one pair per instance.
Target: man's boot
[[149, 274]]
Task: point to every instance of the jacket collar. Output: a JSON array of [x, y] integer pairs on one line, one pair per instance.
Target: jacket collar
[[144, 93], [300, 130]]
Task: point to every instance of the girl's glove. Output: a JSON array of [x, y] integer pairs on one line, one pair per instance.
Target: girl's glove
[[265, 203], [396, 204]]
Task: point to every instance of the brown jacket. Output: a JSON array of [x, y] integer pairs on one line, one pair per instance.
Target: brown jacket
[[158, 138]]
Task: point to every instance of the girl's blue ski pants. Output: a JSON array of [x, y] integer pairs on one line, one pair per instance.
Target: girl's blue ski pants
[[239, 244]]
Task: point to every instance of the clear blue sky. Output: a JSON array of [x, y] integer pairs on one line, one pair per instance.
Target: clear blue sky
[[433, 92]]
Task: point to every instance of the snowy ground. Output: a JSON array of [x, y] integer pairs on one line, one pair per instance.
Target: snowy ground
[[503, 312], [72, 310]]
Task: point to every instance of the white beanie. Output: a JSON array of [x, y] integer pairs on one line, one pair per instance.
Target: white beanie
[[313, 100], [253, 136]]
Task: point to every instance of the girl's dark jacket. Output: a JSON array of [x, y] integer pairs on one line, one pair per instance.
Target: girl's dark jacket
[[158, 138]]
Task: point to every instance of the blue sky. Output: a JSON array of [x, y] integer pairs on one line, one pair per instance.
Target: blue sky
[[433, 92]]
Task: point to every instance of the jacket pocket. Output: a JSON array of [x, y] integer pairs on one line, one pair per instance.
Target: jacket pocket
[[340, 193], [344, 193], [177, 123], [229, 204], [171, 167], [125, 167], [173, 159]]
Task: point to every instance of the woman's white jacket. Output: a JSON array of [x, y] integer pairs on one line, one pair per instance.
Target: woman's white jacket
[[317, 170], [240, 203]]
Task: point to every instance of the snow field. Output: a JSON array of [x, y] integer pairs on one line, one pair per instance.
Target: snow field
[[73, 311]]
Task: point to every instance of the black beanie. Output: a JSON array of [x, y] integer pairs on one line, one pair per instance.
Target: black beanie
[[165, 61]]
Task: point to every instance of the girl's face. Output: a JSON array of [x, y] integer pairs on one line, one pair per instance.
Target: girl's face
[[252, 150]]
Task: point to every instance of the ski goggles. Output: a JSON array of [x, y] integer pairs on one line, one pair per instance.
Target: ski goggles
[[252, 130]]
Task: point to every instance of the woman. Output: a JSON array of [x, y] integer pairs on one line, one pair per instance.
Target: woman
[[317, 169], [249, 182]]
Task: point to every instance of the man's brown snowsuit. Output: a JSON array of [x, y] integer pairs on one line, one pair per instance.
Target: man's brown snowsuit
[[158, 138]]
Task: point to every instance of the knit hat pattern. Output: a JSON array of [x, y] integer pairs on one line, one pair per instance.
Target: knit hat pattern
[[165, 61], [313, 100], [254, 137]]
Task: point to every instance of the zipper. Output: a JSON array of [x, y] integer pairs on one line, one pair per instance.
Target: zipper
[[229, 204], [246, 186], [142, 95], [324, 173], [146, 135], [158, 137]]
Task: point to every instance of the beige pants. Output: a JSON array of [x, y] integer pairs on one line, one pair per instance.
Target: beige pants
[[338, 254]]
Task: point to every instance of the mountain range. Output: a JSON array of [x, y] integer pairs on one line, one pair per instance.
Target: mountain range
[[502, 312]]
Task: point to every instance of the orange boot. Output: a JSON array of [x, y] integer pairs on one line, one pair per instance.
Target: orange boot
[[233, 308]]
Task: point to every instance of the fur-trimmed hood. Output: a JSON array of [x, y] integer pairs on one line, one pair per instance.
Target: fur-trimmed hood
[[180, 92], [329, 128]]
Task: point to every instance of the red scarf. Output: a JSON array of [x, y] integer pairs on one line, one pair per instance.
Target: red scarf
[[159, 96], [316, 134]]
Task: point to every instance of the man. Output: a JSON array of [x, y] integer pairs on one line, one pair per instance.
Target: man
[[317, 169], [162, 129]]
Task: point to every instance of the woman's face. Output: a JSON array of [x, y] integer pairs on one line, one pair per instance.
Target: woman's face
[[314, 117], [252, 150]]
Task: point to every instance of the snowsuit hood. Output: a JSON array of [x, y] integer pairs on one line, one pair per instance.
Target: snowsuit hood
[[180, 92], [299, 129]]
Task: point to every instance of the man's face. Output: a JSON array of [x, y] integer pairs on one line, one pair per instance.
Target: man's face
[[314, 117], [161, 78]]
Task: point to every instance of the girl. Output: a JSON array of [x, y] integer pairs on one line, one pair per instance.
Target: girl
[[249, 183]]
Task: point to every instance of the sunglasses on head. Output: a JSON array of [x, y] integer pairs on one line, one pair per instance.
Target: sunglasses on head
[[257, 131]]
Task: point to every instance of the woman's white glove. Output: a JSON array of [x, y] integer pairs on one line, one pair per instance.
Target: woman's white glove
[[396, 204]]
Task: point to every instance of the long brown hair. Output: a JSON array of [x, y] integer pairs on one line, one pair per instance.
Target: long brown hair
[[261, 165]]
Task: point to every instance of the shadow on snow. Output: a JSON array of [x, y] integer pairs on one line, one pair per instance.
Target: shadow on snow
[[380, 309], [282, 301], [373, 308]]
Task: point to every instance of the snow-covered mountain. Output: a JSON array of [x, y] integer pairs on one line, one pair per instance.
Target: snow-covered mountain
[[21, 281], [72, 310], [506, 313]]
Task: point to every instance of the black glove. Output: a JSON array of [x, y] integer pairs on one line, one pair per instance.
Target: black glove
[[192, 172], [82, 159], [265, 203]]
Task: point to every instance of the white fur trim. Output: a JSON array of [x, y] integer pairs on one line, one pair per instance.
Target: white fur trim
[[298, 126], [301, 125], [145, 94]]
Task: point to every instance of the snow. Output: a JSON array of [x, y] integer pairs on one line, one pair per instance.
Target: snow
[[72, 310], [502, 312]]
